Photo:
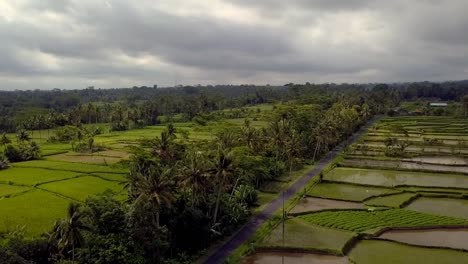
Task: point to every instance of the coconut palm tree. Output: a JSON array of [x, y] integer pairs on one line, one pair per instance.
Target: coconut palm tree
[[155, 186], [222, 170], [194, 175], [67, 232], [23, 135]]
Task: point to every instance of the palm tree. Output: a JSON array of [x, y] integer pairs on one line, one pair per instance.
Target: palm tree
[[4, 139], [67, 232], [222, 169], [249, 134], [154, 185], [23, 135], [194, 175]]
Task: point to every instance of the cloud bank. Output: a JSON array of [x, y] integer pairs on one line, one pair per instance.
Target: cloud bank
[[120, 43]]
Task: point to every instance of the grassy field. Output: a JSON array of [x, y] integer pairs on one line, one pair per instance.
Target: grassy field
[[36, 210], [33, 176], [82, 187]]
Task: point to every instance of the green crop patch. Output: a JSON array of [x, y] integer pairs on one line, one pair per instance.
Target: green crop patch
[[69, 166], [362, 220], [7, 190], [111, 176], [36, 210], [33, 176], [347, 192], [299, 234], [82, 187], [386, 252], [394, 200]]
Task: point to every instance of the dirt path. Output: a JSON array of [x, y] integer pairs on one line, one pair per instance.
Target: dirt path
[[248, 229]]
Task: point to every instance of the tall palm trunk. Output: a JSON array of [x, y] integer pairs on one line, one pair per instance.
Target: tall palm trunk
[[218, 198]]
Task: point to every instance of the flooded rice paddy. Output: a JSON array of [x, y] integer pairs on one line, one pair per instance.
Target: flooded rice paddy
[[451, 238]]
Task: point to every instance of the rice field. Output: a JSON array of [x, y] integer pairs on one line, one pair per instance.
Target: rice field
[[368, 192], [35, 193]]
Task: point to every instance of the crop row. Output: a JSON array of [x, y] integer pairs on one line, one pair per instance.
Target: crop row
[[361, 220]]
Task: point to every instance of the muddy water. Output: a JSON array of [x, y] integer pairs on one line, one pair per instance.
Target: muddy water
[[405, 165], [293, 258], [452, 238], [441, 160], [394, 178], [441, 206], [314, 204]]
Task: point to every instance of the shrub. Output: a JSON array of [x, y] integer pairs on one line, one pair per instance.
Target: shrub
[[246, 194], [22, 152]]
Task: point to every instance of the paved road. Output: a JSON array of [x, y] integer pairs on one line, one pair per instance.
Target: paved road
[[247, 230]]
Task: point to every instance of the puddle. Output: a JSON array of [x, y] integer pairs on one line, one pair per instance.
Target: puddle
[[293, 258], [452, 238], [315, 204]]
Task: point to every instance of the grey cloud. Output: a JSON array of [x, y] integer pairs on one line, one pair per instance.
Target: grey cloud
[[383, 40]]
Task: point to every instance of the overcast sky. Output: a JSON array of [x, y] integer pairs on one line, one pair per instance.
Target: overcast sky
[[121, 43]]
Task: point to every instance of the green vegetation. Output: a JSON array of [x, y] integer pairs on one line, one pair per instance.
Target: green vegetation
[[385, 252], [362, 220], [347, 191], [394, 200], [33, 176], [68, 166], [82, 187], [8, 190], [36, 210]]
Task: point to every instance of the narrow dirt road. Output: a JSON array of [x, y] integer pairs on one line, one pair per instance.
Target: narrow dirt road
[[248, 229]]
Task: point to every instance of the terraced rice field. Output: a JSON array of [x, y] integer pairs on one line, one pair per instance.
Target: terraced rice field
[[370, 193]]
